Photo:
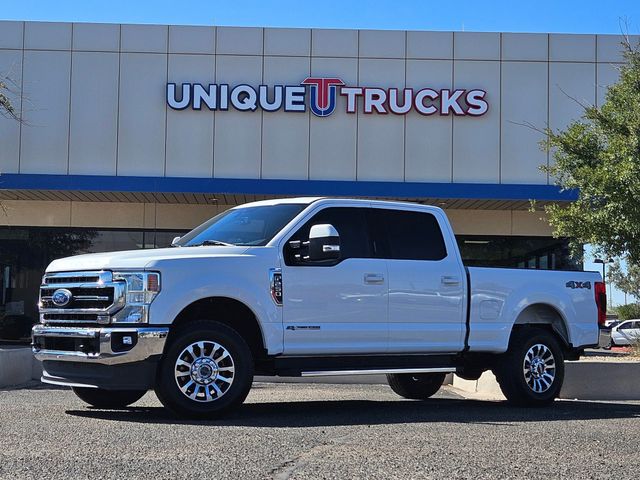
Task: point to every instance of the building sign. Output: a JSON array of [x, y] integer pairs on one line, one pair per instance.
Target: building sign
[[320, 95]]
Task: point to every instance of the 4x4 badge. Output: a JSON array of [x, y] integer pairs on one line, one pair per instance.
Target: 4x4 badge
[[574, 285]]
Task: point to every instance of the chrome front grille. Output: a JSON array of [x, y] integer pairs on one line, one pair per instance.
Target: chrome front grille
[[83, 297], [70, 317], [94, 297], [67, 278]]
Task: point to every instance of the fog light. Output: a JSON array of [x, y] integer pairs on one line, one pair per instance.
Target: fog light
[[127, 340]]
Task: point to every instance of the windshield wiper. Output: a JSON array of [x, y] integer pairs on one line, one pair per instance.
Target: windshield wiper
[[213, 242]]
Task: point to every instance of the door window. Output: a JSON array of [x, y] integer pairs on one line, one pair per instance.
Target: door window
[[407, 235], [351, 226]]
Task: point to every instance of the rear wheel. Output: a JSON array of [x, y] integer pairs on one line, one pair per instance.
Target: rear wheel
[[415, 386], [101, 398], [206, 371], [531, 372]]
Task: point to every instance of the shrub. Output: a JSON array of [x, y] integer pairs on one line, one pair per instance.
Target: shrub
[[629, 311]]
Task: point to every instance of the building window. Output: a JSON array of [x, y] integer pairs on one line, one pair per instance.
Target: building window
[[26, 252]]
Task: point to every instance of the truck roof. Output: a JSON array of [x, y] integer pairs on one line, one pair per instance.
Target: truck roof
[[310, 200], [278, 201]]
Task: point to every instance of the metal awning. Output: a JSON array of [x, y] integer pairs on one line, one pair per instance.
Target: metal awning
[[221, 191]]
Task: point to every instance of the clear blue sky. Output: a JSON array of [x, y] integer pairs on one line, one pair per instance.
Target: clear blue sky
[[585, 16]]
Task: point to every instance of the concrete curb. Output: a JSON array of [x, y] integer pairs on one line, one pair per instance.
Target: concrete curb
[[584, 380], [602, 381], [17, 366]]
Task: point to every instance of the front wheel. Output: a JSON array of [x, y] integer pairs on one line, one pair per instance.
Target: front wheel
[[206, 370], [531, 372], [415, 386], [110, 399]]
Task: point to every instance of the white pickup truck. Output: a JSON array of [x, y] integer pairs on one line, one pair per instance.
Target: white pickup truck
[[304, 287]]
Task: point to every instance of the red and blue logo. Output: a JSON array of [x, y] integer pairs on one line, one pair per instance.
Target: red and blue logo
[[324, 93]]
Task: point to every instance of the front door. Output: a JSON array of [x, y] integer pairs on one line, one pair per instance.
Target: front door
[[338, 307]]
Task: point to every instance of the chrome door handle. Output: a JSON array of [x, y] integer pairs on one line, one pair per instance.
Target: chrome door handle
[[450, 281], [373, 278]]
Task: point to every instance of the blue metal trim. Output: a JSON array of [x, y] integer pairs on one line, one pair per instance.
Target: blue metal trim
[[100, 183]]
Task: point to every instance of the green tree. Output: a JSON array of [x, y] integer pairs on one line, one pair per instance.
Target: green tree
[[626, 280], [599, 155]]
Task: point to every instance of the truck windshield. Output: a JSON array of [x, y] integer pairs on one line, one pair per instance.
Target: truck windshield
[[254, 226]]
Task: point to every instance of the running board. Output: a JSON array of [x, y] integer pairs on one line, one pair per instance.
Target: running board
[[377, 371], [315, 366]]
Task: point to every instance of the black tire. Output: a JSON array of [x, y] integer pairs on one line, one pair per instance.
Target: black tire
[[415, 386], [202, 400], [533, 389], [101, 398]]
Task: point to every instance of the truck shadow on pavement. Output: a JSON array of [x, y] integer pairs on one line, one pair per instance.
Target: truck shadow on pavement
[[302, 414]]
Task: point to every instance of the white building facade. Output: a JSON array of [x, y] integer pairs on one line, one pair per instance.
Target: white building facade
[[133, 133]]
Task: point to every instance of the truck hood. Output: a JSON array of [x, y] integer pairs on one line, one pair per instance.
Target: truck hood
[[138, 259]]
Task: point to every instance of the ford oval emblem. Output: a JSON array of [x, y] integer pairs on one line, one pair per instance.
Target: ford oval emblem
[[61, 297]]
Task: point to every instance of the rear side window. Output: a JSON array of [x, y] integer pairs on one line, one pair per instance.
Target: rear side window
[[407, 235]]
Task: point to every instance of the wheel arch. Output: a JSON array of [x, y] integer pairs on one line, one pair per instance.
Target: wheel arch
[[228, 311], [546, 316]]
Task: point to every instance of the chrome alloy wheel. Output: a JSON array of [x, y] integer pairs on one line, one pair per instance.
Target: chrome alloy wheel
[[204, 371], [539, 368]]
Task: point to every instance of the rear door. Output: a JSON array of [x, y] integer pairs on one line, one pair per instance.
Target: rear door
[[426, 281]]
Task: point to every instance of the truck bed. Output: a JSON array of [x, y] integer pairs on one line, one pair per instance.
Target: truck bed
[[500, 296]]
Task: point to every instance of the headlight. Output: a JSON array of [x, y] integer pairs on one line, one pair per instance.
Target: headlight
[[142, 288]]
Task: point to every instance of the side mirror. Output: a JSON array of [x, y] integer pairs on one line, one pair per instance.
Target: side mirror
[[324, 243], [174, 241]]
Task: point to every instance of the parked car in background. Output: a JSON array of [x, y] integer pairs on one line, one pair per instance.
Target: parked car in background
[[625, 333], [610, 323]]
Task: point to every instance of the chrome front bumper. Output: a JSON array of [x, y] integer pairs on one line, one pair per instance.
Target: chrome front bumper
[[101, 348]]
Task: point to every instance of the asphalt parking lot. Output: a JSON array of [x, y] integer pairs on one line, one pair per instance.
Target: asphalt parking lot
[[318, 431]]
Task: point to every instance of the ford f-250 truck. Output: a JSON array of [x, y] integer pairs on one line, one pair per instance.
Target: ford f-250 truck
[[303, 287]]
